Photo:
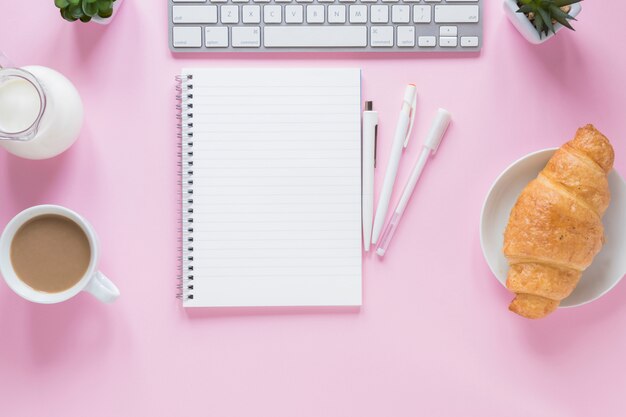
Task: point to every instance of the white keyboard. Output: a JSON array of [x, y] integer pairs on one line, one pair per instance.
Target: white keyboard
[[325, 25]]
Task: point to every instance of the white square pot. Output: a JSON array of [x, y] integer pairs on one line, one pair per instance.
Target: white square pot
[[526, 28], [101, 21]]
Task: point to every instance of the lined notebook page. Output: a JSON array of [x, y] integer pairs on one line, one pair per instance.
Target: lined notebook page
[[276, 187]]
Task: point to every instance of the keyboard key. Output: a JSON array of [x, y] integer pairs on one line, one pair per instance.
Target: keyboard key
[[240, 1], [246, 37], [379, 13], [282, 1], [294, 13], [187, 36], [405, 36], [422, 14], [315, 14], [194, 14], [216, 37], [448, 41], [358, 13], [336, 13], [229, 14], [381, 36], [456, 14], [469, 41], [314, 36], [272, 14], [251, 14], [400, 14], [447, 31], [427, 41], [325, 1]]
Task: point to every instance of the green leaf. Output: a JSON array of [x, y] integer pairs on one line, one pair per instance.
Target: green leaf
[[556, 11], [561, 17], [75, 11], [104, 4], [85, 19], [66, 15], [539, 25], [547, 20], [90, 9], [74, 2], [105, 13], [61, 3], [527, 8]]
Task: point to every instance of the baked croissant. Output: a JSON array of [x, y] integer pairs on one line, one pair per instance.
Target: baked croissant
[[555, 228]]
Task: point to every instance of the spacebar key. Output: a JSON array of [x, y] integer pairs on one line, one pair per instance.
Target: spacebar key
[[314, 36]]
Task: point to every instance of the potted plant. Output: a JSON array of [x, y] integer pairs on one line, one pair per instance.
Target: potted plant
[[540, 20], [99, 11]]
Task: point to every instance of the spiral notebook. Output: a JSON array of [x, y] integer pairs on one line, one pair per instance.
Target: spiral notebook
[[271, 186]]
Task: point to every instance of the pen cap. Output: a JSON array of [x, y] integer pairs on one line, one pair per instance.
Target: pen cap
[[410, 94], [437, 130]]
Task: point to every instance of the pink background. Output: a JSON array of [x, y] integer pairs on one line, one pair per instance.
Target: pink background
[[434, 336]]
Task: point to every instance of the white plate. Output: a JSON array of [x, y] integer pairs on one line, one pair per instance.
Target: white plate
[[608, 267]]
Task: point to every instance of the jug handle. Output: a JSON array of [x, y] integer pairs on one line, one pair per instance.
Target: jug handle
[[5, 62]]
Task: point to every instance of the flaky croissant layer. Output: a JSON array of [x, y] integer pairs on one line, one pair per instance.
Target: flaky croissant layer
[[555, 228]]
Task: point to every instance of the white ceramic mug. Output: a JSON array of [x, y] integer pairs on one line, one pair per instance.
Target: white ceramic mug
[[94, 282]]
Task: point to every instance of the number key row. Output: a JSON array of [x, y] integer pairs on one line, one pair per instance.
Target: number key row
[[317, 13]]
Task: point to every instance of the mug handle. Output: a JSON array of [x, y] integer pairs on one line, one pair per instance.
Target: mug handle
[[102, 288]]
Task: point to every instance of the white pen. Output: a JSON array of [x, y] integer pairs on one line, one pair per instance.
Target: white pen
[[437, 130], [401, 139], [370, 125]]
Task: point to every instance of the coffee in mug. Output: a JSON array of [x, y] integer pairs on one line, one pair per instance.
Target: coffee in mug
[[50, 253]]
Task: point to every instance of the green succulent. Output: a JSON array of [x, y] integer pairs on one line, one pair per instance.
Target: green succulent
[[84, 10], [543, 13]]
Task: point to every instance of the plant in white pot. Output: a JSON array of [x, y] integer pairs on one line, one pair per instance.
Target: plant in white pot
[[98, 11], [540, 20]]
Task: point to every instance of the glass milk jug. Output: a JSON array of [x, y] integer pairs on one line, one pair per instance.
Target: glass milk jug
[[41, 112]]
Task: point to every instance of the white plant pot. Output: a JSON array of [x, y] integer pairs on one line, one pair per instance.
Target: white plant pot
[[101, 21], [526, 28]]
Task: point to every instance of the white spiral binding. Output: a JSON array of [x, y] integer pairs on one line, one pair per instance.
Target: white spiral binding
[[184, 86]]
